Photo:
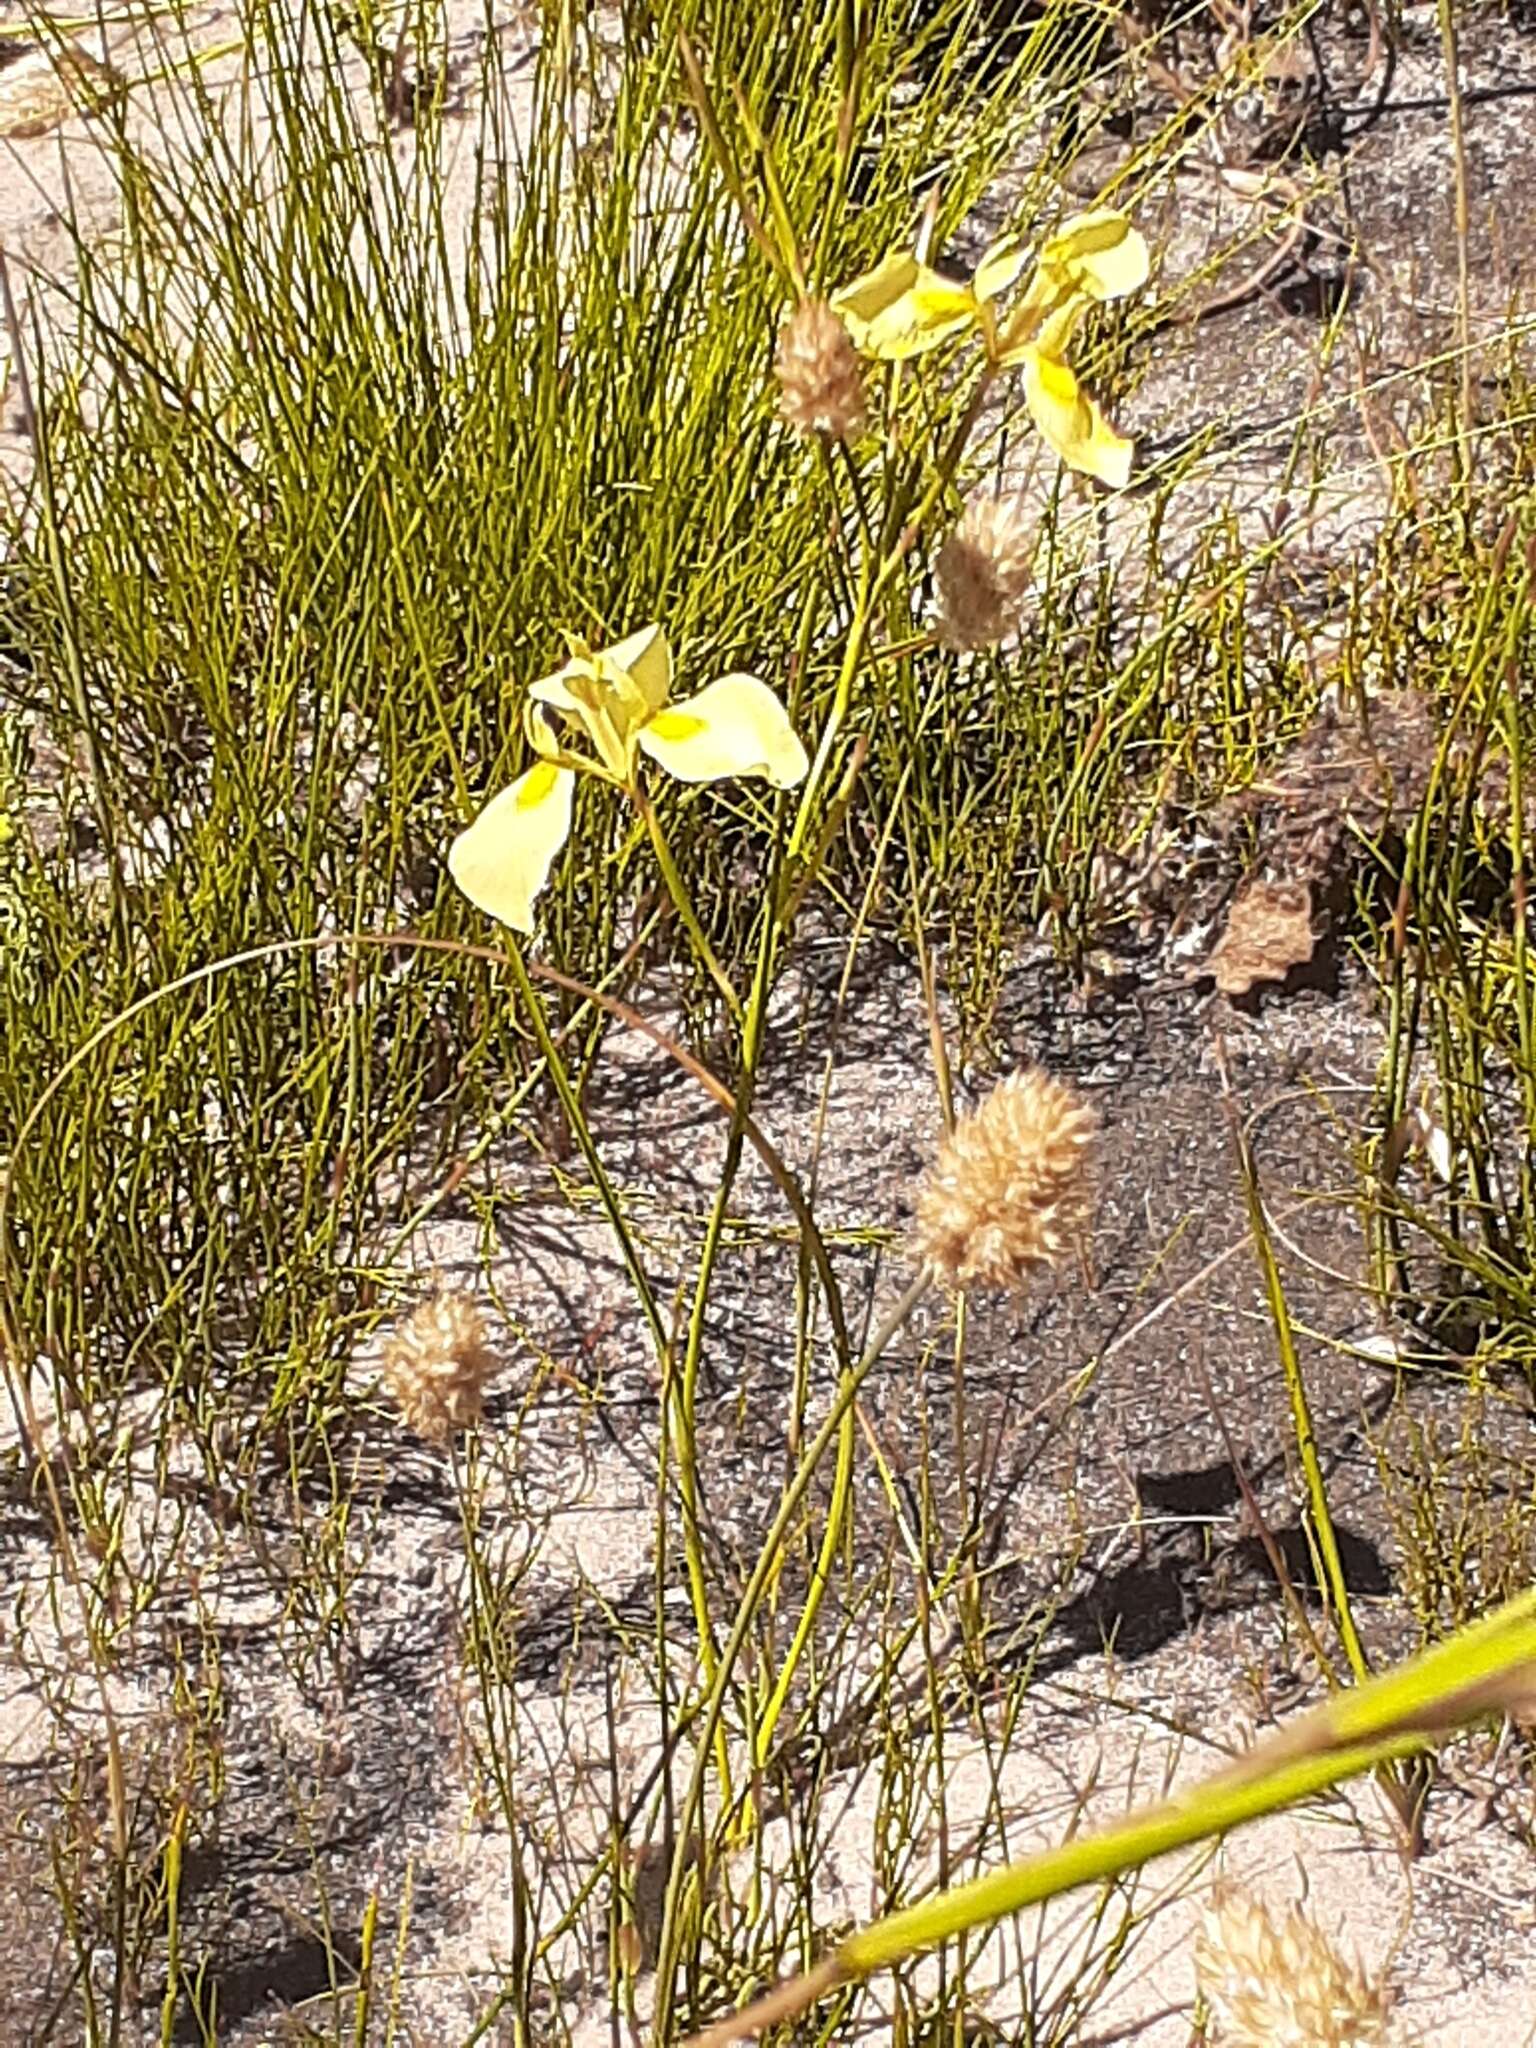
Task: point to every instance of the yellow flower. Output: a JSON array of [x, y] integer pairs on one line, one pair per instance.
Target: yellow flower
[[1094, 257], [1098, 254], [617, 699], [902, 308]]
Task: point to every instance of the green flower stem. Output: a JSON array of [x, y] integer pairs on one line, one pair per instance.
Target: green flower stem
[[832, 1536], [744, 1127], [853, 655], [682, 1381], [1301, 1411], [872, 584], [1178, 1825], [761, 1732], [873, 580], [1395, 1784], [677, 890], [693, 1549], [171, 1865], [768, 1560]]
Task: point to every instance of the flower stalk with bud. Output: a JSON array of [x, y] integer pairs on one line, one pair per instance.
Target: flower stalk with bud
[[618, 701]]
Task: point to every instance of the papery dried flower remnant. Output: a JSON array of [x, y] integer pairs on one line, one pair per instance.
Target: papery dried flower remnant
[[1273, 1983], [821, 387], [438, 1366], [1269, 931], [983, 572], [1011, 1189]]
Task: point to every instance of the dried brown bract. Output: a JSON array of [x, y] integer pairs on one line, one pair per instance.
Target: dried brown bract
[[1011, 1189], [438, 1365], [1269, 931], [983, 572], [821, 387], [1349, 771], [1273, 1983]]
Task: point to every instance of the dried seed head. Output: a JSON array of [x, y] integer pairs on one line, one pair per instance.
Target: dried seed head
[[1281, 1984], [438, 1366], [1011, 1188], [821, 388], [983, 571]]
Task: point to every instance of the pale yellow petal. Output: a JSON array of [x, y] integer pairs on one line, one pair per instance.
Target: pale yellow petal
[[503, 859], [1072, 424], [859, 303], [999, 267], [1060, 325], [901, 308], [647, 659], [645, 656], [1100, 251], [1043, 325], [733, 727], [551, 690]]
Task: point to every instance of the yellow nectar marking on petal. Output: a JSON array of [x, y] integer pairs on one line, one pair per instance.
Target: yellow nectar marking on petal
[[675, 725], [537, 785]]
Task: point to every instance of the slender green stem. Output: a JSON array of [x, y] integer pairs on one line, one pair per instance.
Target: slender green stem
[[682, 901], [693, 1550], [832, 1536], [873, 580], [768, 1560], [1301, 1413], [172, 1863]]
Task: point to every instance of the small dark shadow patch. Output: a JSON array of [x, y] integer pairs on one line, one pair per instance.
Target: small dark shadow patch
[[280, 1977], [1204, 1490], [1365, 1572]]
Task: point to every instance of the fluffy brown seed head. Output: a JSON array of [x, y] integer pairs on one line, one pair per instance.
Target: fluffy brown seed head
[[438, 1366], [821, 388], [1012, 1186], [983, 572], [1273, 1983]]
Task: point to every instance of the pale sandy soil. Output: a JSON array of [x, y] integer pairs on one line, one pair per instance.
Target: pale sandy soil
[[378, 1759]]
